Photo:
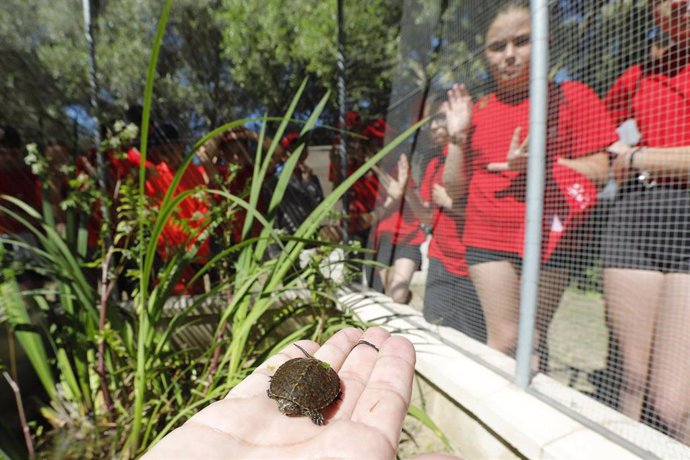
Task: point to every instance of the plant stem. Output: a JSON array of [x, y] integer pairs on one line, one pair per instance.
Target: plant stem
[[216, 352], [101, 326], [22, 417], [142, 307]]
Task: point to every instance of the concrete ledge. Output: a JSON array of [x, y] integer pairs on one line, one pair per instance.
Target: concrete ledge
[[479, 382]]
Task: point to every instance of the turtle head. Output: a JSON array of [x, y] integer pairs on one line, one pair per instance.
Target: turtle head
[[288, 407]]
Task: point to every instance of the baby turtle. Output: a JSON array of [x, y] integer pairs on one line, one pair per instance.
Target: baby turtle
[[304, 386]]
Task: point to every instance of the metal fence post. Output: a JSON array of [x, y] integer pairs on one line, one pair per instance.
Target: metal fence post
[[529, 288], [342, 147]]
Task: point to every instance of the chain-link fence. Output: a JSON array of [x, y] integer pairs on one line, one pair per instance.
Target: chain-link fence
[[589, 191]]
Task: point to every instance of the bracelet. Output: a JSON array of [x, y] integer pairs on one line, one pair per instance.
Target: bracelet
[[631, 161], [457, 139]]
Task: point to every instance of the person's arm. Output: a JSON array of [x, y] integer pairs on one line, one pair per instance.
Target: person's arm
[[671, 162], [458, 110], [395, 191], [421, 200], [594, 166], [422, 209], [452, 208]]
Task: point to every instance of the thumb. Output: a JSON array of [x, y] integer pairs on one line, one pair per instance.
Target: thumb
[[496, 167]]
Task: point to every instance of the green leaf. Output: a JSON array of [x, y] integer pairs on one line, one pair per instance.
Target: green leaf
[[424, 418], [12, 304]]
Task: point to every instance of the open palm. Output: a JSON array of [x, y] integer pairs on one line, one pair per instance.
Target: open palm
[[365, 423]]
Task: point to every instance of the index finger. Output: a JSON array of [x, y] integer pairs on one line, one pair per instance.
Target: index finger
[[384, 402], [524, 143]]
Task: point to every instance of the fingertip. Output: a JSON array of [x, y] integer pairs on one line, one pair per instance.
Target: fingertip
[[401, 347]]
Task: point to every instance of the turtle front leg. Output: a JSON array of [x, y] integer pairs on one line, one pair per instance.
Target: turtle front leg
[[316, 417]]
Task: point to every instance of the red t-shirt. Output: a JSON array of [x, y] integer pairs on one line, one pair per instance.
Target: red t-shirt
[[446, 242], [658, 103], [401, 225], [496, 201]]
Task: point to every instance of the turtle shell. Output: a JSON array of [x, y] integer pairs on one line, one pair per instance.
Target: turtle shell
[[304, 386]]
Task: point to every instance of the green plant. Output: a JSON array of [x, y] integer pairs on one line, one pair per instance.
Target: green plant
[[115, 376]]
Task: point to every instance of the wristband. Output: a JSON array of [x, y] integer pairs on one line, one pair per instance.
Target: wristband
[[631, 161], [457, 139]]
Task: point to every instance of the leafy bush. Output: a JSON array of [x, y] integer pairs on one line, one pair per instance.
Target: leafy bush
[[117, 375]]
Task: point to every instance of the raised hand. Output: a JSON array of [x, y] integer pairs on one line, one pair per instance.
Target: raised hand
[[458, 109], [516, 160], [366, 423], [395, 189]]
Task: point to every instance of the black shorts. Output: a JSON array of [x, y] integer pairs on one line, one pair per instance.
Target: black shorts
[[476, 256], [451, 300], [387, 253], [649, 229]]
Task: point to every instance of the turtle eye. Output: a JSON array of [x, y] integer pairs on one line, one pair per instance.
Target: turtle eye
[[288, 407]]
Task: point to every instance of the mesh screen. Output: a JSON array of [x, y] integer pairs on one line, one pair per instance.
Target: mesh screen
[[614, 290]]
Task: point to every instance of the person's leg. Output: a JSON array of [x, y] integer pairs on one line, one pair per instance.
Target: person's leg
[[398, 280], [498, 287], [451, 300], [632, 299], [377, 276], [468, 308], [670, 377], [436, 294], [551, 286]]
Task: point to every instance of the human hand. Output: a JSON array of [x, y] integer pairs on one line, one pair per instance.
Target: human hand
[[403, 170], [440, 197], [365, 423], [395, 189], [516, 160], [458, 109], [620, 166]]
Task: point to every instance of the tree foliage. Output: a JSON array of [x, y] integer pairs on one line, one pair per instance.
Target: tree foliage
[[45, 85], [274, 44], [227, 58]]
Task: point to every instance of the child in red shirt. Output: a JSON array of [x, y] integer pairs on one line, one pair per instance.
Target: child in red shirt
[[398, 232], [450, 298], [647, 242], [579, 133]]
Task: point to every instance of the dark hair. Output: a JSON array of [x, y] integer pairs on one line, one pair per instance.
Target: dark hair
[[436, 100], [10, 138], [504, 6]]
